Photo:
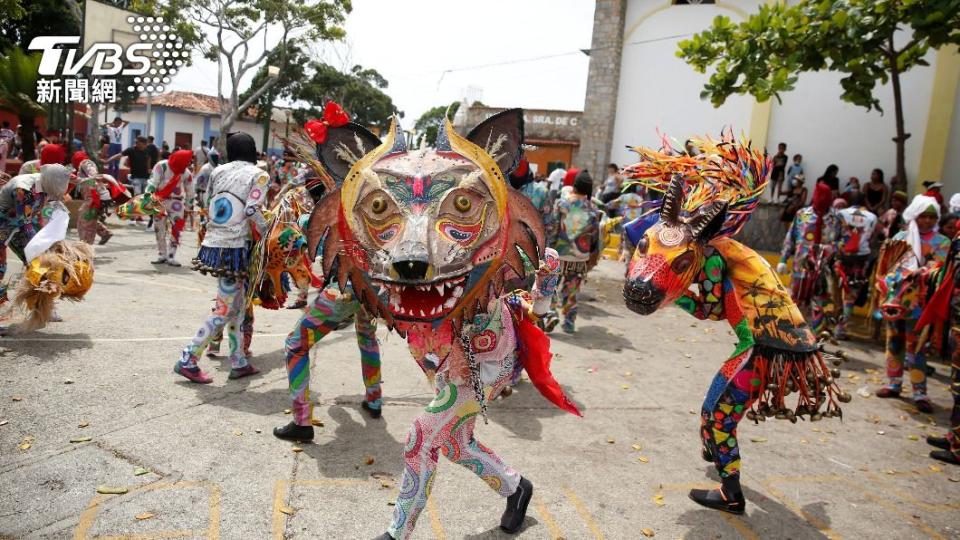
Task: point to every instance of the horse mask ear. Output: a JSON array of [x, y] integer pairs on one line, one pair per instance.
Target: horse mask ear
[[706, 225], [344, 146], [501, 136]]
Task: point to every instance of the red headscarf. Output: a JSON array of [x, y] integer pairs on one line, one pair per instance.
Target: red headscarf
[[178, 162], [53, 153], [570, 176], [822, 198], [78, 158]]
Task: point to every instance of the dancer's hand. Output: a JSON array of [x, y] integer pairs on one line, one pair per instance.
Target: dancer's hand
[[782, 268]]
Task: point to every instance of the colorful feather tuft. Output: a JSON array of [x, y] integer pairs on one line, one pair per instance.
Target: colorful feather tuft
[[725, 170]]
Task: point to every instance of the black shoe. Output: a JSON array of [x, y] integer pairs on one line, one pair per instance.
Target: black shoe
[[293, 432], [384, 536], [374, 412], [713, 498], [516, 512], [938, 442], [706, 455], [945, 456]]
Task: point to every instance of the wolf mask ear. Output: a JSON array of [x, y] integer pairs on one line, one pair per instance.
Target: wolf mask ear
[[501, 136], [344, 146]]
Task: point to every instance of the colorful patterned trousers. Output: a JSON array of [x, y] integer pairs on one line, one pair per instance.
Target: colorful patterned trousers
[[227, 316], [328, 310], [954, 434], [571, 277], [901, 347], [728, 399], [446, 426], [852, 281], [12, 237], [246, 328], [89, 225], [174, 220]]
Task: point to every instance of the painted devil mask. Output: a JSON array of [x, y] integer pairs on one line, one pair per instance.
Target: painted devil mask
[[425, 235], [670, 252]]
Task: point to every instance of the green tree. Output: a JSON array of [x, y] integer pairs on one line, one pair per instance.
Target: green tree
[[235, 29], [360, 92], [287, 83], [763, 55], [430, 121], [18, 93]]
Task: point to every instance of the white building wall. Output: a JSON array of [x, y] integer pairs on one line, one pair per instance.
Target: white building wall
[[815, 122], [951, 166], [659, 91]]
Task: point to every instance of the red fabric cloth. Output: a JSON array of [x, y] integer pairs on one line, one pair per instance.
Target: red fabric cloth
[[52, 153], [536, 356], [178, 162], [570, 176], [522, 169], [78, 158]]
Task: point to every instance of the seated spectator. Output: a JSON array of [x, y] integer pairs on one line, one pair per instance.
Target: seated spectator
[[876, 193]]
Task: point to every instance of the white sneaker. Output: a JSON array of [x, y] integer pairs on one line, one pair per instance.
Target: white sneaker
[[173, 262]]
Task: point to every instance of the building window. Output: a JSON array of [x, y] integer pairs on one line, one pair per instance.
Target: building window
[[692, 2]]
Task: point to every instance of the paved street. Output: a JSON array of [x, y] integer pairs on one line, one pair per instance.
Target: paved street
[[209, 467]]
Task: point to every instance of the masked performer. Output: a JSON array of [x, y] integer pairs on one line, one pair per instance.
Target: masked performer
[[902, 280], [573, 229], [235, 197], [707, 199], [21, 200], [857, 227], [58, 268], [811, 241], [203, 180], [97, 190], [944, 305], [50, 154], [169, 183], [425, 239]]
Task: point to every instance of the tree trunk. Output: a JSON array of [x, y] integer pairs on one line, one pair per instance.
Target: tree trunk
[[901, 139], [28, 144]]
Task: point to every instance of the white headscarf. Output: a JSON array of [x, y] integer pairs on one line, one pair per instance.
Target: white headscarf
[[555, 179], [919, 205], [955, 203]]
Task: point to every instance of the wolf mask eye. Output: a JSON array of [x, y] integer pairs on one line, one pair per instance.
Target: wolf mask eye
[[462, 203], [378, 205]]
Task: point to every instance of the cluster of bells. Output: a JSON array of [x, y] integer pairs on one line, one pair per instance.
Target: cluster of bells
[[835, 357], [199, 266]]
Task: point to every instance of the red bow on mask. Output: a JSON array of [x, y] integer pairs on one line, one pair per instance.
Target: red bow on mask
[[333, 116]]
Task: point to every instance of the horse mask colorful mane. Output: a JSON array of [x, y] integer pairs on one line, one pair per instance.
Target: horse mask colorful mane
[[425, 235], [707, 196]]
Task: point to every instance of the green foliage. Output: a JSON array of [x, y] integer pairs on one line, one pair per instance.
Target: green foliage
[[430, 121], [292, 63], [36, 18], [763, 55], [360, 92]]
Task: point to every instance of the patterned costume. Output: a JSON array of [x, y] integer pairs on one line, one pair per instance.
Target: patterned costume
[[707, 199], [97, 190], [21, 200], [170, 182], [811, 241], [426, 239], [903, 273], [853, 257], [574, 231], [235, 198]]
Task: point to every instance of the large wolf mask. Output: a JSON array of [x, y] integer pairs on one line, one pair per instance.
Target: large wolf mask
[[425, 235]]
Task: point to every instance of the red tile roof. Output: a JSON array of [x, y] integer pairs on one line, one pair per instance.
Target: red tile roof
[[185, 101]]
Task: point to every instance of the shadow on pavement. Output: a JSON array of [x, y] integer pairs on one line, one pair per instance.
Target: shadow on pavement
[[344, 452], [45, 344], [522, 412], [497, 533], [593, 337]]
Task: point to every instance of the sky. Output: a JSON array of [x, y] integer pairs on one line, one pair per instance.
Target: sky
[[519, 53]]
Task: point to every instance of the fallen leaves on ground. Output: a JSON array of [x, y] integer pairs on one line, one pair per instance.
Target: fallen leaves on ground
[[286, 510], [68, 381], [913, 437], [637, 447], [237, 433], [111, 490], [315, 422], [658, 499], [26, 443], [643, 459], [140, 471], [17, 398], [4, 422], [758, 439], [881, 432], [934, 468], [145, 515], [296, 449], [625, 386], [81, 439], [648, 532], [287, 411], [83, 424], [368, 460]]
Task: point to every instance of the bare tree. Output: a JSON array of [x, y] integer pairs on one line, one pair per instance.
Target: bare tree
[[233, 28]]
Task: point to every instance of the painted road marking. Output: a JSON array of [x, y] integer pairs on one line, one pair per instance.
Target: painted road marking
[[88, 517], [548, 519], [584, 513]]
